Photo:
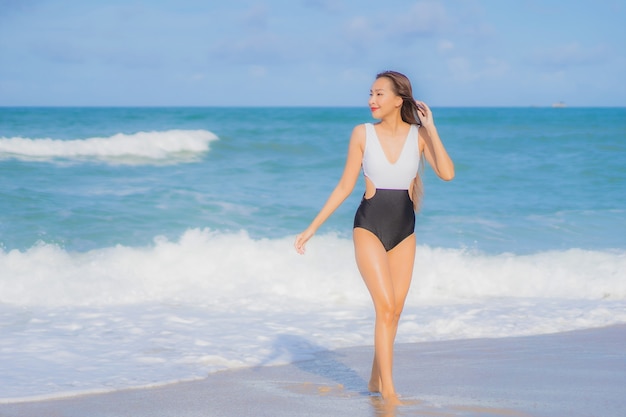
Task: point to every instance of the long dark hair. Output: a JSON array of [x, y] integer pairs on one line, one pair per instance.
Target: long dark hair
[[409, 113], [402, 87]]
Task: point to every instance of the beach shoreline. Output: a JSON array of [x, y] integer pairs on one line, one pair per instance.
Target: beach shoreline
[[576, 373]]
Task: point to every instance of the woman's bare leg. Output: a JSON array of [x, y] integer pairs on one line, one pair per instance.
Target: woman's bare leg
[[387, 277], [401, 260]]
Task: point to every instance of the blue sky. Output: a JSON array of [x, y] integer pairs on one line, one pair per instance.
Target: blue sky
[[310, 52]]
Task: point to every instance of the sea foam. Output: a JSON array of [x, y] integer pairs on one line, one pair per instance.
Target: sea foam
[[135, 149], [177, 310], [204, 266]]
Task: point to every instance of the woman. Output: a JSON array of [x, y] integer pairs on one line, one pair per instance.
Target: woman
[[384, 240]]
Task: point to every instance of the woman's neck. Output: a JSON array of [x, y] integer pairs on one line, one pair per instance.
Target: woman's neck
[[393, 124]]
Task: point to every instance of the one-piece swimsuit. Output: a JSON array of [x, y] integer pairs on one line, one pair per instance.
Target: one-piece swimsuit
[[389, 214]]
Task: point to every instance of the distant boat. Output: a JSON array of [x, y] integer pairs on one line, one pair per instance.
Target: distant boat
[[559, 104]]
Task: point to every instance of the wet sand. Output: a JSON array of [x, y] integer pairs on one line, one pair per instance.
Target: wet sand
[[580, 373]]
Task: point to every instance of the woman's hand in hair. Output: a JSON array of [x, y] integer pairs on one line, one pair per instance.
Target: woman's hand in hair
[[426, 116]]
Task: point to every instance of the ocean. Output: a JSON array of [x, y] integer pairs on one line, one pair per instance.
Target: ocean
[[143, 246]]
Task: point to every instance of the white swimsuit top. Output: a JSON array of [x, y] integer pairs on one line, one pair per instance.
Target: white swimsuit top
[[380, 171]]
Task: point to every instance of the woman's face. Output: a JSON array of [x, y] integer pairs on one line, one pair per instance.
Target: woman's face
[[383, 100]]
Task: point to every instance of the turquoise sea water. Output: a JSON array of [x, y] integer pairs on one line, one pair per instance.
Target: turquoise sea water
[[140, 246], [528, 179]]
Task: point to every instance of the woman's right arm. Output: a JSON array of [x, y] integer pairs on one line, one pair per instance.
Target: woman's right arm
[[342, 190]]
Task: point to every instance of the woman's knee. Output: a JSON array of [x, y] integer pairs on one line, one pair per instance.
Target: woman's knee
[[388, 313], [397, 314]]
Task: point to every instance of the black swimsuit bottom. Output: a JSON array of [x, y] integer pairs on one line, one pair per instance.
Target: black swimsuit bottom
[[389, 215]]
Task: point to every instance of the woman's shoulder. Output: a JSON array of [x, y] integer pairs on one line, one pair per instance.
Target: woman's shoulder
[[358, 134], [360, 129]]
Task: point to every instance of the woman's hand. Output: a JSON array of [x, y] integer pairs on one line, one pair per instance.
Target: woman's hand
[[301, 240], [426, 116], [433, 148]]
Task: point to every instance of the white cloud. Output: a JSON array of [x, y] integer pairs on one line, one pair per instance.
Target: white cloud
[[257, 71], [460, 68], [445, 45], [463, 70], [251, 49], [424, 18], [495, 67], [357, 74], [256, 18], [455, 49], [354, 40], [570, 55], [249, 39], [358, 27], [328, 6]]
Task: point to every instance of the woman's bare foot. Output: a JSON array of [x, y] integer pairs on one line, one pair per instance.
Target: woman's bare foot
[[391, 399]]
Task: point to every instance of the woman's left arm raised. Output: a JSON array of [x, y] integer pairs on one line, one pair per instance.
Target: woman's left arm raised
[[433, 148]]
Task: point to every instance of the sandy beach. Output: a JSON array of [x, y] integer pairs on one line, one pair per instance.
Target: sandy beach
[[579, 373]]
